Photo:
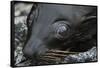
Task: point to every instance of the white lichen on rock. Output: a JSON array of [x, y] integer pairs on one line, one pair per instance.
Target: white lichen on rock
[[88, 56], [21, 12]]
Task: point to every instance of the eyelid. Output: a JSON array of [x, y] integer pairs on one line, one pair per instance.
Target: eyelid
[[61, 19]]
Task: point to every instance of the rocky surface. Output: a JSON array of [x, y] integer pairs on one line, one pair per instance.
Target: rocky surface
[[88, 56], [21, 12]]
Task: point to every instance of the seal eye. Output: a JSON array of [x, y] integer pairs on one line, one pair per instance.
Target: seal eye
[[61, 29]]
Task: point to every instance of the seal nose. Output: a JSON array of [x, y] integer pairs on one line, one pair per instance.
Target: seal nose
[[34, 48], [28, 52]]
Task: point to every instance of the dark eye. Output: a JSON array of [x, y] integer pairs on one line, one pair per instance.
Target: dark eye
[[61, 29]]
